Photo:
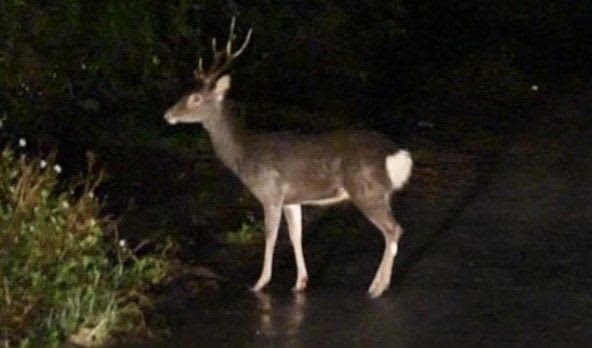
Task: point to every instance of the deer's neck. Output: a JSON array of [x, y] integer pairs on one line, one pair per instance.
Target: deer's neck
[[228, 137]]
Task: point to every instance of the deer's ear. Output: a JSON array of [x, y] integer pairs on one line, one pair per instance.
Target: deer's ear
[[222, 86]]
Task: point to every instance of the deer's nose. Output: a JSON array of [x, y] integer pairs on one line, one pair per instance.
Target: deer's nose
[[168, 116]]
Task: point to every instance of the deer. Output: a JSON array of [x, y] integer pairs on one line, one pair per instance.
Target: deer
[[286, 170]]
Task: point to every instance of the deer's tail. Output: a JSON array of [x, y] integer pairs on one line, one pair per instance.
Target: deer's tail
[[398, 168]]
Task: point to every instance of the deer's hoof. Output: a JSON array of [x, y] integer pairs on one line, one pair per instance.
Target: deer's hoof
[[256, 288], [377, 291], [300, 285], [259, 286], [374, 294]]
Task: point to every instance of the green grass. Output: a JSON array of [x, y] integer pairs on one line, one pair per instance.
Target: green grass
[[64, 274], [246, 234]]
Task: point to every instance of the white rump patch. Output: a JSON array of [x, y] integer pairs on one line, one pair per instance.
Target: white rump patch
[[394, 248], [398, 168]]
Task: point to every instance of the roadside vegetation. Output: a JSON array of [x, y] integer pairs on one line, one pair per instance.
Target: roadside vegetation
[[246, 234], [64, 273]]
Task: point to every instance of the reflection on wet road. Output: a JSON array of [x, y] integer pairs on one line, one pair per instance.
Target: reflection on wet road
[[282, 323]]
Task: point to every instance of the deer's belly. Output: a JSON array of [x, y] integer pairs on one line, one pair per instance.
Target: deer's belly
[[328, 198]]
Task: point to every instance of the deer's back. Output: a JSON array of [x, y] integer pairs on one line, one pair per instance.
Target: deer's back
[[317, 167]]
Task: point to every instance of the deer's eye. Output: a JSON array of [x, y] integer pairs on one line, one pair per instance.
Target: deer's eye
[[194, 100]]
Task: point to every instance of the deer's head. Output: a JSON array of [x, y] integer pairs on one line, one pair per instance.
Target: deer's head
[[206, 102], [199, 105]]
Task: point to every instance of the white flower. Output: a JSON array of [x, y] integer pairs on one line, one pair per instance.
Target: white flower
[[22, 142], [91, 195], [57, 168], [122, 243], [534, 88], [65, 204], [42, 164]]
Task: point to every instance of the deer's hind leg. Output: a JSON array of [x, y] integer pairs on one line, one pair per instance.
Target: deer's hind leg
[[379, 213]]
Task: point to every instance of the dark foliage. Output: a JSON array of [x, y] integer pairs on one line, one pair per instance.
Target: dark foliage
[[105, 70]]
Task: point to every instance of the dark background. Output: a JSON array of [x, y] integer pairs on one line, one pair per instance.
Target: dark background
[[90, 72]]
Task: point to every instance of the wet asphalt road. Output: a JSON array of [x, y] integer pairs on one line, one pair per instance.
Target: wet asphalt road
[[507, 263]]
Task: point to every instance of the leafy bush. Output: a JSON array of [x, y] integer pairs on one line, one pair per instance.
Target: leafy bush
[[246, 234], [62, 276], [60, 68]]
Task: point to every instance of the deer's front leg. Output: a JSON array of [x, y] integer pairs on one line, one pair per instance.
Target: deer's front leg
[[273, 214], [293, 215]]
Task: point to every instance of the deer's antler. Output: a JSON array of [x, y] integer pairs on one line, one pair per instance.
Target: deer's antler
[[222, 58]]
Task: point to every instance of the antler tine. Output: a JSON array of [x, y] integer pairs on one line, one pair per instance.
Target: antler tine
[[244, 45], [199, 72], [200, 66], [214, 48], [218, 55], [223, 57], [230, 36]]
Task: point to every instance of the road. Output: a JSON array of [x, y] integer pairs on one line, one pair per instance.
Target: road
[[506, 263]]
